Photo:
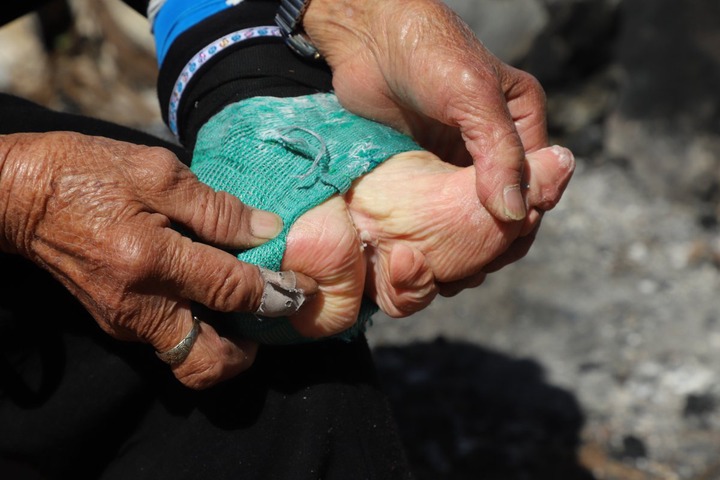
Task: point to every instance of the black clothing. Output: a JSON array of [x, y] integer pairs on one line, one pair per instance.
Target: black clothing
[[258, 67], [75, 403]]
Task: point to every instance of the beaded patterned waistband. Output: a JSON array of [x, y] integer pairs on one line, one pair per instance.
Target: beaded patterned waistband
[[200, 58]]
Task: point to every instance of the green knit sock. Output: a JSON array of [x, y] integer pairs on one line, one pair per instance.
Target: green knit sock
[[288, 155]]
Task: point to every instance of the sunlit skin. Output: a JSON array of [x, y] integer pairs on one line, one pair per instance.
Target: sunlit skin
[[410, 227], [98, 214], [417, 66]]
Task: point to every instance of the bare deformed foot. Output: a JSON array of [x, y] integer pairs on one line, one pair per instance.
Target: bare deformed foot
[[405, 229], [324, 245], [423, 225]]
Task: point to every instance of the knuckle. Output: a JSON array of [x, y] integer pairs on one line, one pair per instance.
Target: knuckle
[[161, 157], [235, 290], [471, 79], [130, 261], [531, 83], [224, 214], [529, 87], [162, 170], [131, 256]]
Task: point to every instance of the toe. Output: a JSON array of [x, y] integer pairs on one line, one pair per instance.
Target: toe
[[403, 281], [548, 174]]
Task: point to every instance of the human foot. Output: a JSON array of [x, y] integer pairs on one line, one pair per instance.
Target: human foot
[[423, 225], [323, 244], [421, 228], [289, 155]]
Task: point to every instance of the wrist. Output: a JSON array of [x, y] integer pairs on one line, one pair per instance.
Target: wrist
[[338, 28], [289, 18]]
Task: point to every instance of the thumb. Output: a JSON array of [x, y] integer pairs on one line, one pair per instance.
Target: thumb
[[509, 120], [498, 155]]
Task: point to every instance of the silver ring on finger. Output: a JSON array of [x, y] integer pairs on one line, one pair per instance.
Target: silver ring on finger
[[180, 352]]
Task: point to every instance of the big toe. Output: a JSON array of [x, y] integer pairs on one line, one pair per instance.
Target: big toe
[[548, 173]]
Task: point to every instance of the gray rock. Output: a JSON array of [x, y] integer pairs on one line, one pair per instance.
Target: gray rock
[[617, 302], [507, 28], [668, 115]]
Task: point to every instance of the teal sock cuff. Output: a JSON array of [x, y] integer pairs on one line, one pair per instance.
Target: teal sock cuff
[[288, 155]]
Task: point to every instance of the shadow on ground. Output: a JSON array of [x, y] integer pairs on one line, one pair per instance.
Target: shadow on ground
[[467, 412]]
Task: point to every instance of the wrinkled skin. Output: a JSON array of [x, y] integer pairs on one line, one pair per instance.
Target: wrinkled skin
[[415, 65], [413, 228], [97, 213]]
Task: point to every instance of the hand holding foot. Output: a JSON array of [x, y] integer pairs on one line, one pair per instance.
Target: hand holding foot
[[424, 227], [421, 228], [288, 156]]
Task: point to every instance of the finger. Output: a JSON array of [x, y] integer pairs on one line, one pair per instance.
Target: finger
[[548, 173], [216, 217], [496, 148], [527, 106], [215, 278], [509, 121], [222, 219], [211, 358], [283, 293]]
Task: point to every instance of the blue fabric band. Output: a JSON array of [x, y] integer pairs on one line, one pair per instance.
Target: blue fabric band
[[177, 16]]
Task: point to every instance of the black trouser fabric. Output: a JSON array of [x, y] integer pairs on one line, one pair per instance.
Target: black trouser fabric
[[75, 403]]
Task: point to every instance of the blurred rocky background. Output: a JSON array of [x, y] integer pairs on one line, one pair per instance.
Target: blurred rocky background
[[598, 355]]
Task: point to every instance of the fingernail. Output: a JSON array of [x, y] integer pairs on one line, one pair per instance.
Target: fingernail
[[265, 224], [514, 203]]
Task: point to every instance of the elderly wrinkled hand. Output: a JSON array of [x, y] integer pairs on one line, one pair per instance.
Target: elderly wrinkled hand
[[99, 214], [415, 65]]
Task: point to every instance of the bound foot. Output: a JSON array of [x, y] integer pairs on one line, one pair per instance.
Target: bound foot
[[424, 227], [324, 245], [405, 231]]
